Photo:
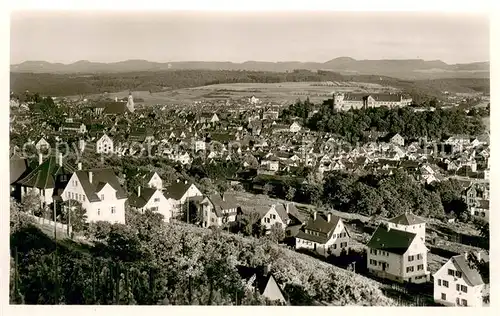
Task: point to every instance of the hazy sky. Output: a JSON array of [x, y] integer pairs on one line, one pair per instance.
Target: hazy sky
[[186, 36]]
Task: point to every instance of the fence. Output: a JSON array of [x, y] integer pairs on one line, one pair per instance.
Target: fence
[[45, 221]]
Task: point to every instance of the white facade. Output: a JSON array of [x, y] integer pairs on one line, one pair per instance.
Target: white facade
[[158, 203], [44, 194], [210, 218], [192, 191], [155, 182], [295, 127], [272, 217], [214, 118], [408, 267], [104, 145], [452, 289], [42, 144], [339, 240], [199, 145], [107, 208], [398, 140]]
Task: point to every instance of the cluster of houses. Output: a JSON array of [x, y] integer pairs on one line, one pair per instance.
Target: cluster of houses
[[396, 250]]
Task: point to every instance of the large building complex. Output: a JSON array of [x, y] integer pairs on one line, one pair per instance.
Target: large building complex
[[347, 101]]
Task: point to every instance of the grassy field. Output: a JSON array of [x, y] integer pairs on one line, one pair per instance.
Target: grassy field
[[276, 93]]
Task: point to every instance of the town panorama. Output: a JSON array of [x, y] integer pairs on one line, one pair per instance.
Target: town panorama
[[338, 183]]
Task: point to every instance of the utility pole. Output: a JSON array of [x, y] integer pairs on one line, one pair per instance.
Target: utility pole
[[187, 211], [55, 224], [69, 218]]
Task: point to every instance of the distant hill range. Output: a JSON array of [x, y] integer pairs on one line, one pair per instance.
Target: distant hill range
[[409, 69]]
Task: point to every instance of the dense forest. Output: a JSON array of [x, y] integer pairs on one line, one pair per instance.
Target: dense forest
[[80, 84], [147, 262]]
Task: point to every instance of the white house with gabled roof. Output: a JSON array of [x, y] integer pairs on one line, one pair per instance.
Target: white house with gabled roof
[[104, 145], [100, 194], [397, 255], [457, 283], [323, 233]]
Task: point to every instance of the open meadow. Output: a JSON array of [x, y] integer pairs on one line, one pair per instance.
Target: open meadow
[[276, 93]]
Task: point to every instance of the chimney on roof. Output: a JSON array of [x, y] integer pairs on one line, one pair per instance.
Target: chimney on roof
[[60, 159], [139, 191], [40, 158], [329, 216], [90, 176], [79, 166], [315, 215]]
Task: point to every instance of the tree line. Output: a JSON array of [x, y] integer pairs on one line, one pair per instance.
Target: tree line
[[354, 124]]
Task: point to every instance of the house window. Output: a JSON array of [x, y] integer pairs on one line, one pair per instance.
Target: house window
[[420, 267], [157, 199], [154, 209], [98, 212], [463, 288], [419, 256], [102, 197], [458, 274], [458, 287], [458, 301], [410, 258], [409, 269], [451, 272], [464, 302], [273, 216], [334, 246], [439, 282], [373, 262], [443, 296], [113, 210], [446, 283]]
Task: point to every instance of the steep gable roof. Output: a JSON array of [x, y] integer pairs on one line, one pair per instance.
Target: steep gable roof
[[45, 176], [321, 223], [222, 203], [257, 277], [100, 177], [177, 189], [472, 275], [139, 201], [391, 240]]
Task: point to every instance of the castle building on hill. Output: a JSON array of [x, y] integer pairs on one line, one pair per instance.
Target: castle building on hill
[[347, 101]]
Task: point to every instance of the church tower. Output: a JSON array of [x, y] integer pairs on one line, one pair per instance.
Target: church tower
[[130, 102]]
